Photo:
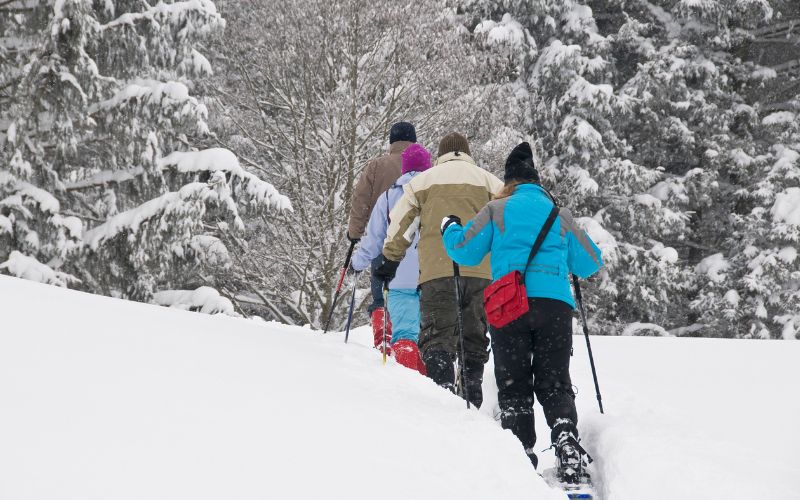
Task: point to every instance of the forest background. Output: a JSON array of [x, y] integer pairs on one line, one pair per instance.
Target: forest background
[[202, 154]]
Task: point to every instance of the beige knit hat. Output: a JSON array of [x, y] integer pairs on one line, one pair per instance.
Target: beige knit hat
[[453, 142]]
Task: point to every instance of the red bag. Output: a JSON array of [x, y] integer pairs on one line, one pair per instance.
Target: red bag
[[506, 299]]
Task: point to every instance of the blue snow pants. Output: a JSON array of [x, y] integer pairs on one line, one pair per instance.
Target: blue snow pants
[[404, 313], [376, 286]]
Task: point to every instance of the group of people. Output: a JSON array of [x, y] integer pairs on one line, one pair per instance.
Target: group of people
[[407, 213]]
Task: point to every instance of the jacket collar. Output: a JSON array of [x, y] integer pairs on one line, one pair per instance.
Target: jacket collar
[[398, 147], [454, 156], [530, 188]]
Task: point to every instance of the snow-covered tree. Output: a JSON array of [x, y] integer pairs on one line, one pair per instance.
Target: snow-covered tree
[[313, 98], [100, 183], [648, 118]]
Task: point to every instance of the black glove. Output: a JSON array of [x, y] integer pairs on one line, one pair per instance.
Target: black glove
[[384, 269], [351, 240], [450, 219]]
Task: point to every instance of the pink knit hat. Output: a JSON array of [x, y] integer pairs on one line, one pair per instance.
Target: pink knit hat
[[416, 159]]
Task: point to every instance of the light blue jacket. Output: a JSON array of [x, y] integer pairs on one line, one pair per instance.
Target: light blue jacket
[[508, 227], [371, 244]]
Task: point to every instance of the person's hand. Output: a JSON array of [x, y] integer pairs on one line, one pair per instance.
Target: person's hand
[[352, 240], [384, 269], [450, 219]]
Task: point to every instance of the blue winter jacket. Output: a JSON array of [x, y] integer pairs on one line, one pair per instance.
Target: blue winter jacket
[[372, 243], [508, 227]]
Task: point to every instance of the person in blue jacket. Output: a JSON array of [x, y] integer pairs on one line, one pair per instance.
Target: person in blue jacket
[[532, 353], [403, 321]]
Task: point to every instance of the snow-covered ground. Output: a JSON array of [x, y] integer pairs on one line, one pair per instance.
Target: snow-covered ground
[[106, 399]]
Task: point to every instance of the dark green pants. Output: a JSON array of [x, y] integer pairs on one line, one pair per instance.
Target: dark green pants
[[439, 328]]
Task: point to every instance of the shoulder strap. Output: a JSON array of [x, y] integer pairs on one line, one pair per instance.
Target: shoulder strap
[[551, 218], [388, 219]]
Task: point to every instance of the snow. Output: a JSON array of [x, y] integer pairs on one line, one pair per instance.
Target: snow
[[779, 118], [223, 160], [5, 225], [214, 252], [787, 207], [130, 220], [170, 404], [732, 297], [634, 328], [788, 254], [152, 91], [604, 240], [104, 177], [23, 266], [665, 254], [174, 13], [204, 299], [648, 200], [46, 201], [714, 267], [506, 32], [764, 73]]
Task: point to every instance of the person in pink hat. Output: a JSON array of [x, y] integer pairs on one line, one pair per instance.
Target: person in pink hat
[[402, 332]]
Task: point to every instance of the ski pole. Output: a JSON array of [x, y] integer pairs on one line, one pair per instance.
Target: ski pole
[[588, 344], [352, 304], [385, 315], [456, 280], [339, 286]]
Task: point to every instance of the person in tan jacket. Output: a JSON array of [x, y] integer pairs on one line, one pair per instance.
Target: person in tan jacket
[[379, 175], [454, 186]]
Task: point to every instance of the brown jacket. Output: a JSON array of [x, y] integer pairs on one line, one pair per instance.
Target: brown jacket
[[378, 176], [454, 186]]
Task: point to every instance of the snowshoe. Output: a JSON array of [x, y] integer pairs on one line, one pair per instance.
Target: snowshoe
[[570, 473]]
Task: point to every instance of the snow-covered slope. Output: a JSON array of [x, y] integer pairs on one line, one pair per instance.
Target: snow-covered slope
[[107, 399]]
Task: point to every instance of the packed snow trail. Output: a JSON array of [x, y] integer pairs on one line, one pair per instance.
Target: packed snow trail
[[106, 399]]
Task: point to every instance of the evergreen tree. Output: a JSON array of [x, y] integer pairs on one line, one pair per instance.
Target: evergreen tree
[[103, 187]]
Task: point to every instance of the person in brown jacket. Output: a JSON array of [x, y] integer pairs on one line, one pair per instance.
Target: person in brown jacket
[[378, 176], [454, 186]]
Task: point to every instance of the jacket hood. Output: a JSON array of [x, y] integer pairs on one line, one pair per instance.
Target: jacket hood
[[454, 156], [406, 178]]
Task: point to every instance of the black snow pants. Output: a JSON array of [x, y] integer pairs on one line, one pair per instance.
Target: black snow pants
[[531, 356], [438, 338]]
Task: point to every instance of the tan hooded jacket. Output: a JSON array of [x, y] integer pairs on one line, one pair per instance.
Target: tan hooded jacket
[[378, 176], [454, 186]]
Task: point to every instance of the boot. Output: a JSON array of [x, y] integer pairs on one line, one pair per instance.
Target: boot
[[377, 330], [407, 354], [520, 422], [440, 368], [570, 463], [474, 383]]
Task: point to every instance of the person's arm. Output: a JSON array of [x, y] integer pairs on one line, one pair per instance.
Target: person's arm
[[583, 257], [468, 245], [360, 203], [495, 185], [404, 224], [372, 242]]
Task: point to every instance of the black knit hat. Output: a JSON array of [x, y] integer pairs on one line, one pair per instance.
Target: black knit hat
[[402, 131], [519, 165], [451, 143]]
